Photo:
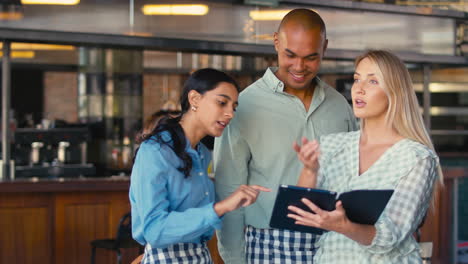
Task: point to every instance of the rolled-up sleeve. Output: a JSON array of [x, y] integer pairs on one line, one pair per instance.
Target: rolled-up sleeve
[[231, 157], [153, 221], [406, 208]]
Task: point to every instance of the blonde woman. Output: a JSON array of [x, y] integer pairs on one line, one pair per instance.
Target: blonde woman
[[391, 151]]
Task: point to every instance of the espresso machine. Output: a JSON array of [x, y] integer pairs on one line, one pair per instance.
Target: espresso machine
[[52, 153]]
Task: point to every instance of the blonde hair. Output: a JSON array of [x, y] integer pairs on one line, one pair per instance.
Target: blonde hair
[[403, 108]]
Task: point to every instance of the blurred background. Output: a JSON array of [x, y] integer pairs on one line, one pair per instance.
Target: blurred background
[[80, 77]]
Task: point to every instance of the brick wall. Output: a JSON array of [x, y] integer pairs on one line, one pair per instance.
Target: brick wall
[[60, 96], [159, 89]]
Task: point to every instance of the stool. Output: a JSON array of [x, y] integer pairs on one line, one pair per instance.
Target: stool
[[123, 239]]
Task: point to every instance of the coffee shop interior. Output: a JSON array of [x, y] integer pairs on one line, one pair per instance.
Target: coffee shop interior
[[80, 77]]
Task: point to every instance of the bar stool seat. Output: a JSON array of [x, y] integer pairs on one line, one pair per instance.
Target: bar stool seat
[[123, 239]]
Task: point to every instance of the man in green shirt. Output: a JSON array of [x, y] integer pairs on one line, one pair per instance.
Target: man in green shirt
[[286, 104]]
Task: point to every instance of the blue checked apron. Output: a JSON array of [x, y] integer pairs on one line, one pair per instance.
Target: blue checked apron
[[187, 253], [266, 246]]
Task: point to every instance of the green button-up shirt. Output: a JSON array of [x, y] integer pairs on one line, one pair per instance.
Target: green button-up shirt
[[256, 148]]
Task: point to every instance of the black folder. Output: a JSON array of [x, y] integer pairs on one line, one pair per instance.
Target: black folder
[[361, 206]]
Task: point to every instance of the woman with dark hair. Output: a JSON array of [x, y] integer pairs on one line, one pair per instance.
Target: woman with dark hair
[[172, 198]]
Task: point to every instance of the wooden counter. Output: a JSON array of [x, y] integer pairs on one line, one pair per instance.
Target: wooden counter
[[53, 221], [63, 185]]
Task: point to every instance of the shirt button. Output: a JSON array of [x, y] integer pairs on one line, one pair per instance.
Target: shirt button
[[207, 193], [200, 173]]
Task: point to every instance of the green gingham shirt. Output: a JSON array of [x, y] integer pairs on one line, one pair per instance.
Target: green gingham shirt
[[408, 167]]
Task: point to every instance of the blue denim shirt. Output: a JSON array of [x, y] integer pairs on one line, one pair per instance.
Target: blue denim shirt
[[167, 207]]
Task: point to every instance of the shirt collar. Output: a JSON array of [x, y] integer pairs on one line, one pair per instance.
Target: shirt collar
[[278, 86], [166, 136], [189, 149], [319, 93], [273, 82]]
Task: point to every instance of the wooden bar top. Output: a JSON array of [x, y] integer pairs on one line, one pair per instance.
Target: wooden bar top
[[114, 183], [120, 183]]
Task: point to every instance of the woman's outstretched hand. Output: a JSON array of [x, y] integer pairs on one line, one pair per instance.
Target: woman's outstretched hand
[[244, 196], [335, 220], [308, 154]]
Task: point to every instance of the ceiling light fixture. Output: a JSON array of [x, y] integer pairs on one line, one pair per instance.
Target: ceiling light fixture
[[50, 2], [138, 34], [190, 10], [270, 15], [11, 10], [38, 46], [265, 15], [20, 54]]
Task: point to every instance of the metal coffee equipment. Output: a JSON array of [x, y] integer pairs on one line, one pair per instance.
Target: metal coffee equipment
[[51, 153], [62, 152], [35, 152]]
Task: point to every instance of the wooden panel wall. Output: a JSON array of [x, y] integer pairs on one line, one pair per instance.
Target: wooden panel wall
[[58, 227], [26, 228]]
